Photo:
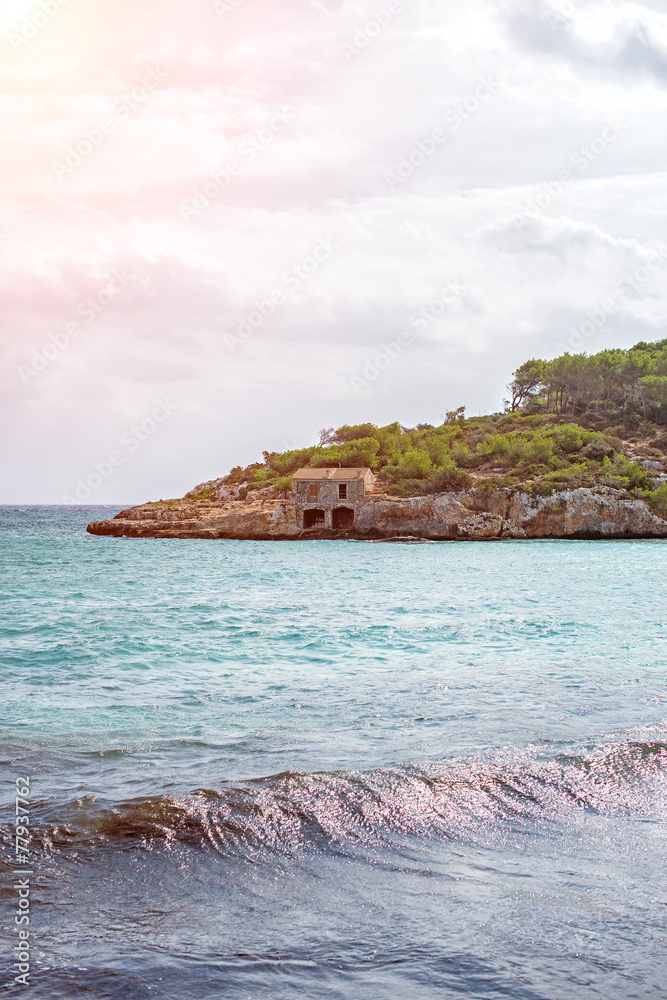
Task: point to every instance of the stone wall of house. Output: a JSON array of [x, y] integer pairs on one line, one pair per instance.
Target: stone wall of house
[[328, 498]]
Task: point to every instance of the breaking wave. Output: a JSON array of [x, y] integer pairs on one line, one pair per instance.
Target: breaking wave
[[471, 799]]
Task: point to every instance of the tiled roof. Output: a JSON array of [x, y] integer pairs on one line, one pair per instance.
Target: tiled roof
[[330, 474]]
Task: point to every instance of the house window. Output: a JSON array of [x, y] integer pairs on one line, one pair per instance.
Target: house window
[[342, 491], [313, 490]]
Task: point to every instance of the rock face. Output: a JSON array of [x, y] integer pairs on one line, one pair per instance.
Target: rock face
[[203, 519], [471, 515]]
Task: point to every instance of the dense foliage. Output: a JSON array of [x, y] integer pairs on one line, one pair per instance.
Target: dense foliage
[[633, 382], [575, 421]]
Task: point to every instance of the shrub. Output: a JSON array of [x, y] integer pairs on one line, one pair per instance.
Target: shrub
[[495, 446], [598, 450], [237, 475], [354, 433], [541, 489], [539, 449], [360, 452], [593, 421], [519, 449], [575, 475], [413, 464], [569, 438], [488, 490], [449, 479], [637, 477], [660, 442], [262, 477], [283, 485], [464, 457], [657, 500], [407, 488], [203, 492], [438, 450], [290, 461], [617, 482], [615, 431], [531, 471]]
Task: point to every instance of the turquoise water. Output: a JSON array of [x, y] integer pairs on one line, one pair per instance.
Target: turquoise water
[[337, 769]]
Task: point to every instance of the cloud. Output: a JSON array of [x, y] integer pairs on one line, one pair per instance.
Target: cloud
[[598, 38], [479, 252]]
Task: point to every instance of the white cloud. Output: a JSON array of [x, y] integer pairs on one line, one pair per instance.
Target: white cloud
[[527, 265]]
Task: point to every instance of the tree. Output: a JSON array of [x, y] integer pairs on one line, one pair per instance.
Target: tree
[[525, 381], [326, 436], [455, 416], [572, 377], [653, 389], [609, 366]]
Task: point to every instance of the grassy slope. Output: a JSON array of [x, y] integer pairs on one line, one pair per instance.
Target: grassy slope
[[537, 453]]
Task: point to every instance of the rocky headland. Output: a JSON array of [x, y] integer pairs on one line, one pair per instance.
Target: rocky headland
[[472, 515], [579, 451]]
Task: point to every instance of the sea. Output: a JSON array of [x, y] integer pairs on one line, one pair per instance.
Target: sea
[[332, 769]]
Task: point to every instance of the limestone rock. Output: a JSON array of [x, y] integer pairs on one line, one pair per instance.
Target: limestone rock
[[582, 513], [474, 515], [203, 519]]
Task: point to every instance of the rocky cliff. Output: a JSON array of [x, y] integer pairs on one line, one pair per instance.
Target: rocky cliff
[[472, 515]]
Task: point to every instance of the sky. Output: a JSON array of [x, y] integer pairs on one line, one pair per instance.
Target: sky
[[227, 224]]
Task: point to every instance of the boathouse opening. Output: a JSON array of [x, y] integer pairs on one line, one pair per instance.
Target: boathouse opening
[[313, 518], [342, 518]]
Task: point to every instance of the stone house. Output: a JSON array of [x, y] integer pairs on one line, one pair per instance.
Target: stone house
[[328, 498]]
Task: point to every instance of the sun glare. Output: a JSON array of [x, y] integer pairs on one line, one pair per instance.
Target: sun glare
[[12, 12]]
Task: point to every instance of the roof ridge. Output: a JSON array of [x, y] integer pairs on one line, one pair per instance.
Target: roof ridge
[[329, 473]]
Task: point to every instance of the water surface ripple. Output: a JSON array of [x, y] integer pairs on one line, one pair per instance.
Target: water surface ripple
[[335, 769]]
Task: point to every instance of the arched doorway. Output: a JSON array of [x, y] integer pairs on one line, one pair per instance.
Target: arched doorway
[[343, 518], [313, 518]]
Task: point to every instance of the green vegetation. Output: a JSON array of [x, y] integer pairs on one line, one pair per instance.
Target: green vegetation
[[656, 499], [631, 384], [574, 421]]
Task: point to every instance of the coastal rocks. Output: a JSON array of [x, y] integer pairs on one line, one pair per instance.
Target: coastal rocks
[[203, 519], [474, 515], [443, 516], [214, 489], [581, 513]]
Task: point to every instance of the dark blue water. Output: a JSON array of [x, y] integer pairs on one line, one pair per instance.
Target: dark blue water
[[335, 769]]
